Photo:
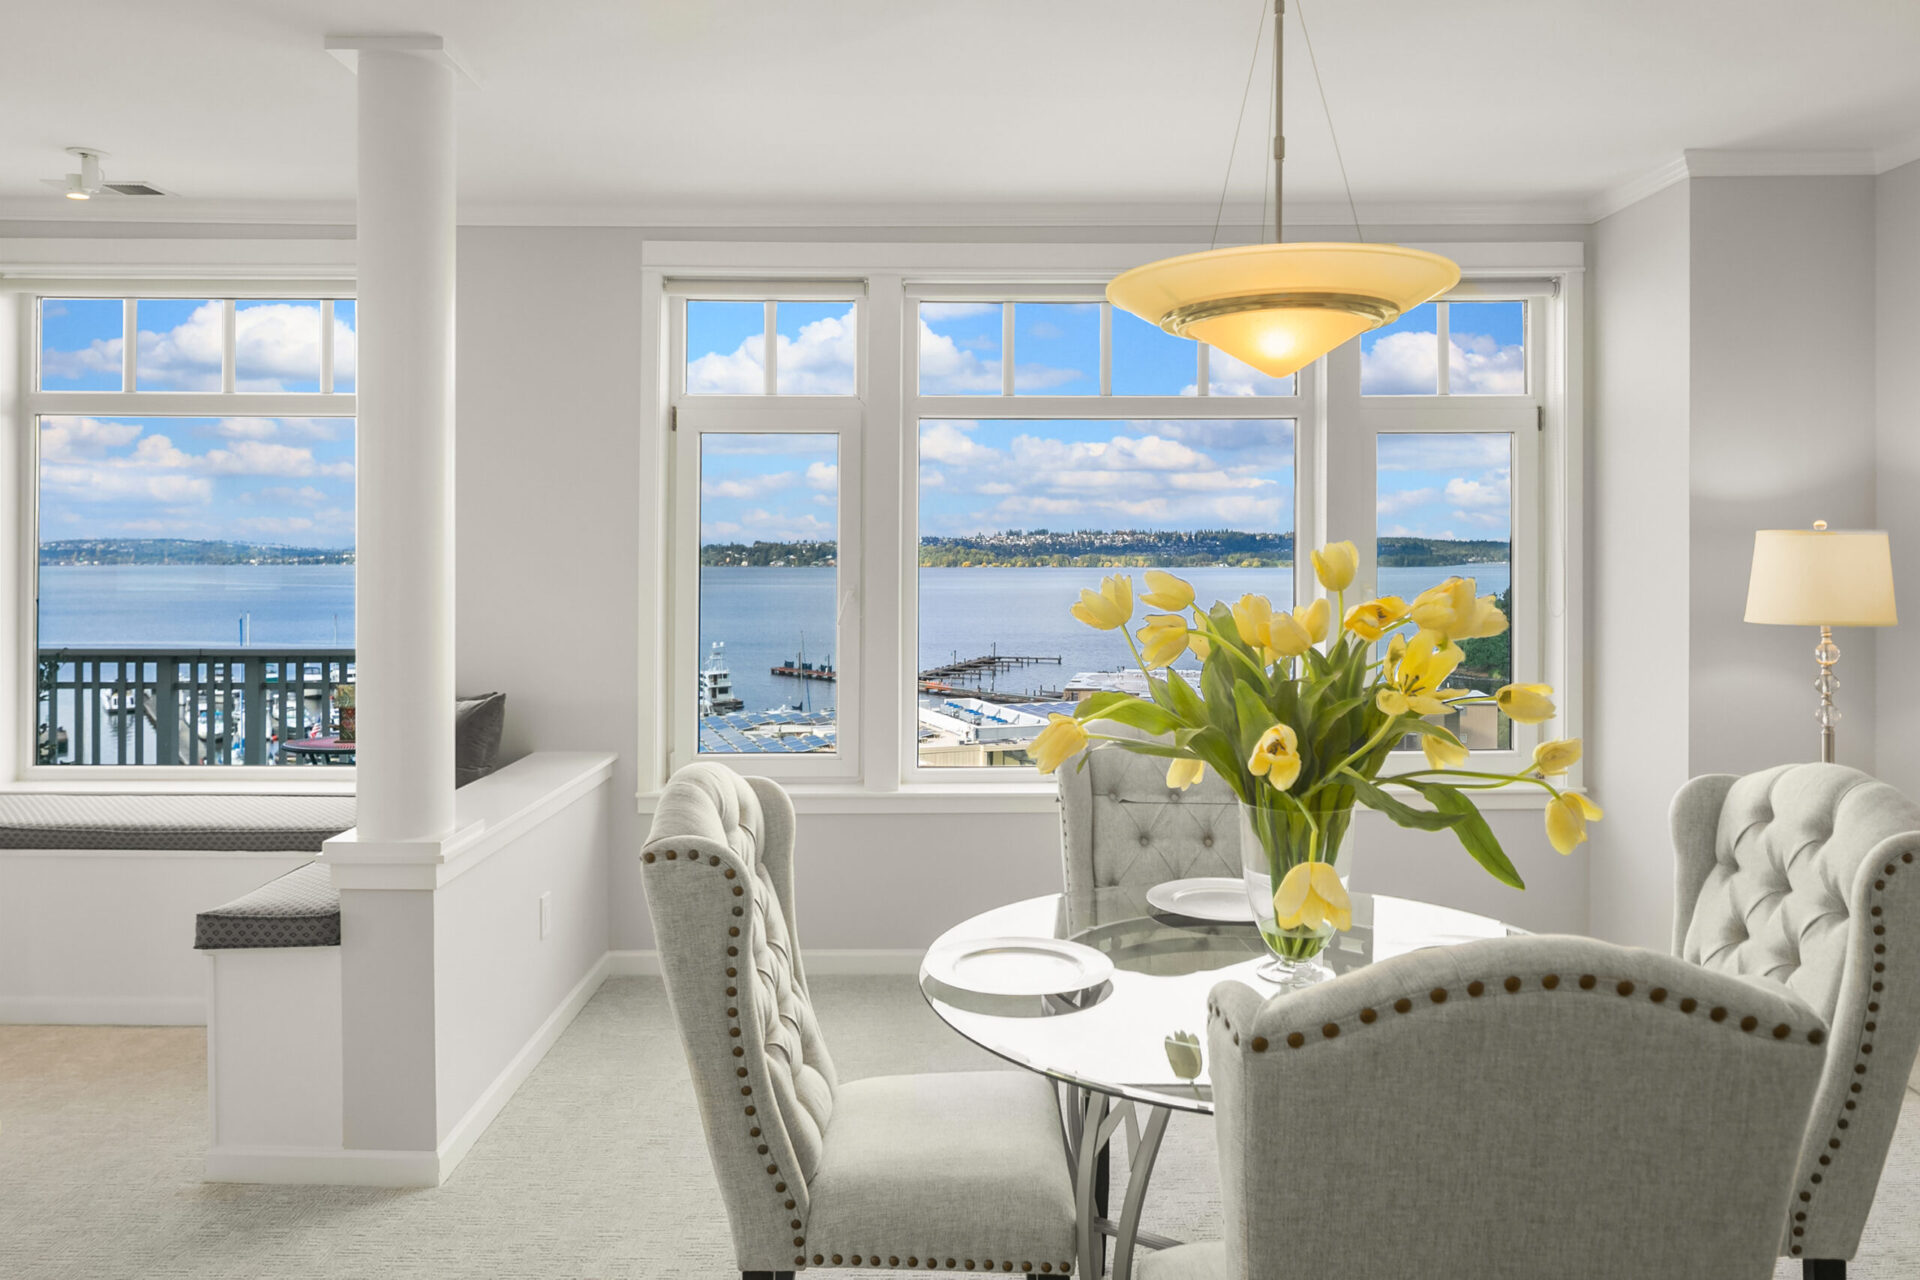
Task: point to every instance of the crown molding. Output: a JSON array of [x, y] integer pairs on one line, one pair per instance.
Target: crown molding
[[1903, 152], [1636, 189], [1778, 164]]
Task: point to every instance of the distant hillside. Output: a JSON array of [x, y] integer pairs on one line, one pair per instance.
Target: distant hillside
[[79, 551], [1110, 549]]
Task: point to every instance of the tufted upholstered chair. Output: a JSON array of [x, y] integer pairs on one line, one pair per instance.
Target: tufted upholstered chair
[[1807, 877], [1511, 1109], [960, 1172], [1121, 824]]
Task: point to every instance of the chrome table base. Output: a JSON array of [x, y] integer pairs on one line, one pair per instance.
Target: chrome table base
[[1090, 1119]]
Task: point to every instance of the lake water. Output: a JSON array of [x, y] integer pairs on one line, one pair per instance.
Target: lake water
[[766, 617], [196, 606], [762, 615]]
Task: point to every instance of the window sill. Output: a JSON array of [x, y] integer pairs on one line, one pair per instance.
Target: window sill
[[1008, 797]]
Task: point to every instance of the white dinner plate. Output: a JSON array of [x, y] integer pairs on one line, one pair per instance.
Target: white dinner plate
[[1020, 966], [1204, 898]]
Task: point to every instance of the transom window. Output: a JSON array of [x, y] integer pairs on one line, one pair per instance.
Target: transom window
[[193, 581]]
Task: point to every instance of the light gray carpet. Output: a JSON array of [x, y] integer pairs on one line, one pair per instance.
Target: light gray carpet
[[597, 1168]]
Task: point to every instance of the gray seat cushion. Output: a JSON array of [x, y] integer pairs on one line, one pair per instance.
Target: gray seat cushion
[[256, 824], [965, 1166], [1188, 1262], [300, 909]]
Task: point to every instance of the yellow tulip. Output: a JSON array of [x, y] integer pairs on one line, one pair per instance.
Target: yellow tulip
[[1334, 565], [1252, 615], [1373, 619], [1286, 637], [1526, 703], [1276, 757], [1443, 754], [1415, 670], [1310, 896], [1550, 758], [1060, 741], [1199, 645], [1183, 1055], [1164, 639], [1313, 619], [1567, 817], [1452, 610], [1182, 774], [1109, 607], [1164, 591]]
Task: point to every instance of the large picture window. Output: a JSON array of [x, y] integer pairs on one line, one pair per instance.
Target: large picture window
[[1043, 440], [193, 578]]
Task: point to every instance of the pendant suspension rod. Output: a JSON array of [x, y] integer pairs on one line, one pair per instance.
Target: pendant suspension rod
[[1279, 109]]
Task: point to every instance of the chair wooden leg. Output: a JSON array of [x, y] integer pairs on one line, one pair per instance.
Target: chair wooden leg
[[1823, 1269]]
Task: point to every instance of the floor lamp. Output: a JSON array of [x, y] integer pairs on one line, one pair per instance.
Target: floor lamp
[[1824, 578]]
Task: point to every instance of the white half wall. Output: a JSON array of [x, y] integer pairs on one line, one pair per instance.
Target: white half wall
[[1638, 570]]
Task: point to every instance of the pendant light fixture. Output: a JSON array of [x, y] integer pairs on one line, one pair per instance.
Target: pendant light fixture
[[1280, 307]]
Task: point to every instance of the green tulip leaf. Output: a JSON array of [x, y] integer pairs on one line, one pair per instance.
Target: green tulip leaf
[[1380, 801], [1475, 836]]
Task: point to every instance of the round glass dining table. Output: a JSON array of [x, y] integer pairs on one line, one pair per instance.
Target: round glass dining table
[[1107, 1045]]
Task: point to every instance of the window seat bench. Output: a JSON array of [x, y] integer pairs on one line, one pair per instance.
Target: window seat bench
[[300, 909], [251, 823], [100, 895]]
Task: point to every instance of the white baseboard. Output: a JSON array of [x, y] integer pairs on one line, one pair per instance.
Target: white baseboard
[[820, 963], [113, 1011], [322, 1167]]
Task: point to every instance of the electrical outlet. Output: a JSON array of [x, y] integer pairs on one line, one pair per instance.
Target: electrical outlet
[[546, 914]]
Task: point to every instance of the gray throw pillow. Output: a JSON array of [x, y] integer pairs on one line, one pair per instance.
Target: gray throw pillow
[[478, 720]]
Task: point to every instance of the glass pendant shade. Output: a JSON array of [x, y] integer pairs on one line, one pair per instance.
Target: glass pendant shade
[[1280, 307]]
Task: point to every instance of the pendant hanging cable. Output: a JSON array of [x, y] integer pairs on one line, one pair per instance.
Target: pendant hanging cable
[[1352, 209], [1253, 61]]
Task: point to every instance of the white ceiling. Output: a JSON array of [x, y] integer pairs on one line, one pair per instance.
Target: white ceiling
[[664, 111]]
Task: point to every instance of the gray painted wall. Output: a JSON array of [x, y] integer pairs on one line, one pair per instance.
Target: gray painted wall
[[1897, 468], [1638, 568]]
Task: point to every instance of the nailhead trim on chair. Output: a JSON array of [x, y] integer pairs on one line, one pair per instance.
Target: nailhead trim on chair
[[773, 1170], [733, 1031], [1551, 982], [913, 1263], [1866, 1047]]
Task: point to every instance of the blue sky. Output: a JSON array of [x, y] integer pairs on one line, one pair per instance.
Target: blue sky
[[981, 476], [768, 488], [279, 480]]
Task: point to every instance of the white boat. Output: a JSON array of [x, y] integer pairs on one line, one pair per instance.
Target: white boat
[[716, 683]]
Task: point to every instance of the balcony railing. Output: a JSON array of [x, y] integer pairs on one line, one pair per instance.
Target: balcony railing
[[139, 704]]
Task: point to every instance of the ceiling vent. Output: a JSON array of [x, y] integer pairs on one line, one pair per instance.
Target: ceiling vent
[[131, 188]]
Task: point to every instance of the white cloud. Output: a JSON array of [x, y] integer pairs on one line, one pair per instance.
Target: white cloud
[[104, 484], [246, 428], [949, 443], [1478, 365], [69, 439], [1392, 504], [946, 369], [1462, 492], [185, 357], [277, 345], [956, 310], [1401, 363], [286, 496], [820, 359], [747, 486], [823, 475]]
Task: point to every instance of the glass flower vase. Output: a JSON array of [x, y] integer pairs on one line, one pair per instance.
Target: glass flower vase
[[1273, 841]]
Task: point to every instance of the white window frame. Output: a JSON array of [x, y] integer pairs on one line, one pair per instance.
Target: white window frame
[[1353, 427], [1010, 405], [884, 506], [30, 404], [692, 416]]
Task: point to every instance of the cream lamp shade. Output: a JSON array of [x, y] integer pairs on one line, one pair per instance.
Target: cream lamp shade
[[1821, 578]]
